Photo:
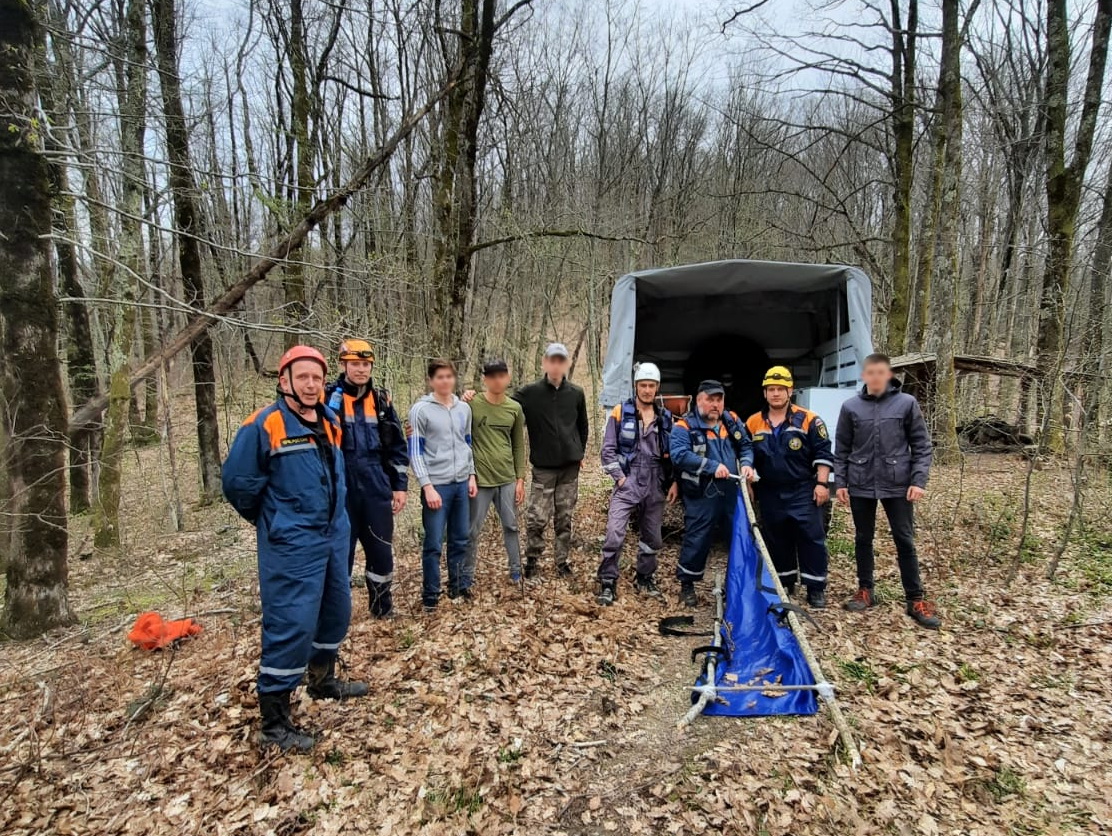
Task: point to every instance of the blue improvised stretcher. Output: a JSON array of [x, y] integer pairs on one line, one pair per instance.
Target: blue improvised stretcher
[[760, 663]]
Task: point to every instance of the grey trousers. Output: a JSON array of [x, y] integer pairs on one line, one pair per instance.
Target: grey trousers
[[502, 497]]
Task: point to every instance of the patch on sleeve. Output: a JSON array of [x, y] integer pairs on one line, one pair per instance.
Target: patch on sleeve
[[821, 428]]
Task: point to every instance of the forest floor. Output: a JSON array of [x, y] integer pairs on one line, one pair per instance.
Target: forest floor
[[540, 712]]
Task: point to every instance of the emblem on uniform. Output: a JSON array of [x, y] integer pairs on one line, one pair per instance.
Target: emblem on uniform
[[822, 430], [737, 435], [795, 443]]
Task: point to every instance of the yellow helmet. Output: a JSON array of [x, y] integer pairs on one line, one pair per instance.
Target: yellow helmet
[[356, 350], [778, 376]]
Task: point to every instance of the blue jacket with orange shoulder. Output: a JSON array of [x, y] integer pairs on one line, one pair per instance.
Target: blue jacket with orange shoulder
[[788, 456], [698, 449], [279, 479]]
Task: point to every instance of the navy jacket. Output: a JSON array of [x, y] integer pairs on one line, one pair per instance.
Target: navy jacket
[[787, 459], [697, 450], [882, 445], [373, 443], [279, 480]]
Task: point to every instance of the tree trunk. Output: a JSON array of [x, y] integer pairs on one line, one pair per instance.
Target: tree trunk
[[945, 281], [295, 295], [1063, 192], [903, 163], [455, 199], [132, 97], [186, 219], [35, 599], [80, 353]]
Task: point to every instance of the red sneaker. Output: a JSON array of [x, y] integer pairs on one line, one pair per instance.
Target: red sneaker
[[863, 600]]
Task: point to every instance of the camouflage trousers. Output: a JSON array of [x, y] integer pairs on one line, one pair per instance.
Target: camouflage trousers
[[553, 497]]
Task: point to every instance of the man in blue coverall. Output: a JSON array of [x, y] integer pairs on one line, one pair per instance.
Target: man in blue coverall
[[376, 460], [710, 450], [793, 459], [285, 475]]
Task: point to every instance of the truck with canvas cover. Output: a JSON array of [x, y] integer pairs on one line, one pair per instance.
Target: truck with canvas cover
[[732, 320]]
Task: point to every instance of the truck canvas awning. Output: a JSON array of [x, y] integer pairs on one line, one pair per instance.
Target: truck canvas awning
[[788, 309]]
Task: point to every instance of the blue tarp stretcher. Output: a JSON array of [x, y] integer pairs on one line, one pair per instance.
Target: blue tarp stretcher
[[756, 666], [760, 650]]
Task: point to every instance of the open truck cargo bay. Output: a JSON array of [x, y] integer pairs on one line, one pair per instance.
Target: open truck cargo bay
[[731, 320]]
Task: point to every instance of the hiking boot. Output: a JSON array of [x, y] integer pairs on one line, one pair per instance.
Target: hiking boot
[[924, 614], [530, 569], [863, 600], [466, 594], [277, 728], [687, 594], [381, 599], [816, 598], [608, 594], [323, 684], [646, 585], [563, 570]]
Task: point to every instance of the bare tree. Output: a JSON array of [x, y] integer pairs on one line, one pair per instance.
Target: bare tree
[[187, 220], [35, 599]]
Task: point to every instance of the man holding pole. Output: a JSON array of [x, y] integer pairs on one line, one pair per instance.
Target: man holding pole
[[711, 454]]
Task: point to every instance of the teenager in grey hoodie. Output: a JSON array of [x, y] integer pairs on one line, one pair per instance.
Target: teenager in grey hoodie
[[440, 455]]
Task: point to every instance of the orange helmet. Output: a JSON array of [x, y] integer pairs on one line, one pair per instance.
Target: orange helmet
[[356, 350], [301, 352]]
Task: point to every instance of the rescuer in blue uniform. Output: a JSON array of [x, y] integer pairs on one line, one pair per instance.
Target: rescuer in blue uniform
[[709, 445], [285, 475], [375, 460], [793, 459]]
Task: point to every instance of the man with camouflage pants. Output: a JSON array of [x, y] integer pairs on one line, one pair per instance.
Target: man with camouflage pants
[[556, 421]]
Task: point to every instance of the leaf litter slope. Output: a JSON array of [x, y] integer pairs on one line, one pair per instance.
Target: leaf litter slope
[[542, 713]]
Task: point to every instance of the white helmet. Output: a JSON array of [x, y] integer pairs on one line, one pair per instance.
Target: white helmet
[[646, 371]]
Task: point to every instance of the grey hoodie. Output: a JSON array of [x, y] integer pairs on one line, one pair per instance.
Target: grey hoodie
[[440, 446], [882, 445]]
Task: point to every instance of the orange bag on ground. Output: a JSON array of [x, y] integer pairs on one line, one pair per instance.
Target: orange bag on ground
[[151, 632]]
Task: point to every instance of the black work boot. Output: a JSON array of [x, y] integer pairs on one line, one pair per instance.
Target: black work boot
[[277, 728], [816, 597], [608, 593], [323, 684], [687, 594], [382, 599], [563, 570], [530, 567], [646, 585]]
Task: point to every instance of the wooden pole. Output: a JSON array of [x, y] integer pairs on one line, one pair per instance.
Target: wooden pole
[[707, 692], [825, 689]]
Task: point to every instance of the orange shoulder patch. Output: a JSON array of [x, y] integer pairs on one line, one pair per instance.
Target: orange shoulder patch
[[275, 426]]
